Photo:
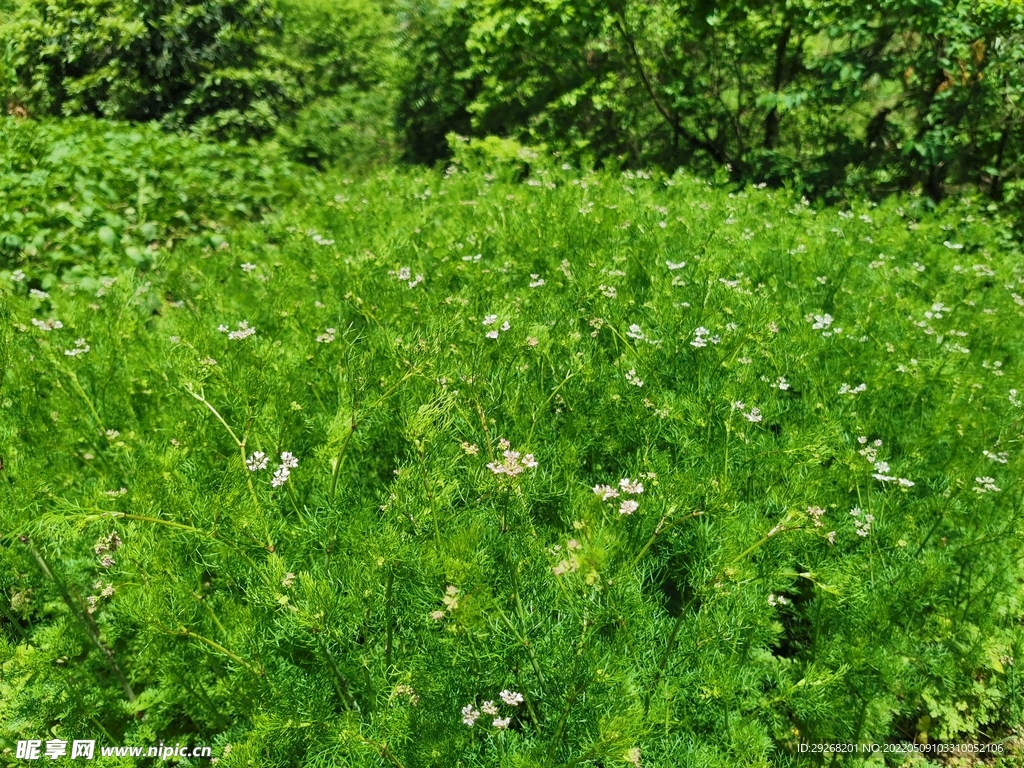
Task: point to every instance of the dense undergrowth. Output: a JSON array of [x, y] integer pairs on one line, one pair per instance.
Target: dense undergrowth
[[79, 196], [471, 469]]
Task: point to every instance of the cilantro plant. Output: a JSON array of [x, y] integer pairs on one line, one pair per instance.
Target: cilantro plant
[[579, 469]]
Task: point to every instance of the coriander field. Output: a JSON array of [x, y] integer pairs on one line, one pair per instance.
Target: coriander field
[[502, 466]]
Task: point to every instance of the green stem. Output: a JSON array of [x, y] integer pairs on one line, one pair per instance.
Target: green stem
[[390, 609], [384, 750], [239, 443], [183, 632], [81, 393], [341, 457], [339, 681], [664, 659], [86, 621], [562, 718], [661, 528], [127, 516], [529, 649], [430, 494]]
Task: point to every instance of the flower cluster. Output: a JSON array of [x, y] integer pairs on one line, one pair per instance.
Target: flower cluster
[[50, 324], [327, 336], [106, 592], [846, 389], [628, 487], [776, 600], [636, 333], [288, 463], [244, 331], [258, 461], [105, 547], [862, 524], [701, 337], [753, 415], [490, 708], [409, 693], [816, 513], [80, 348], [1002, 457], [513, 463], [822, 323], [870, 452], [491, 320], [633, 379], [985, 485], [450, 602], [572, 563]]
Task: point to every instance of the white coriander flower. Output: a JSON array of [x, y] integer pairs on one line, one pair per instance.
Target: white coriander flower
[[288, 460], [489, 708], [36, 293], [280, 476], [511, 698], [501, 723], [490, 319], [80, 348], [47, 325], [985, 485], [628, 507], [243, 332], [248, 267], [821, 321], [631, 486], [17, 276], [492, 334], [257, 460], [469, 715], [605, 492]]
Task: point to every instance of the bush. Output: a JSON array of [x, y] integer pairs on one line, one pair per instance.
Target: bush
[[239, 69], [96, 57], [84, 199], [347, 64], [828, 97]]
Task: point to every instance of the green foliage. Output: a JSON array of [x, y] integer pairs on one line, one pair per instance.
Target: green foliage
[[82, 199], [320, 76], [829, 96], [762, 367], [97, 57], [348, 65], [435, 96]]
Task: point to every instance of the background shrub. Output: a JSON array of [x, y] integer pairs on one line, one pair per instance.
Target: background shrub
[[84, 199]]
